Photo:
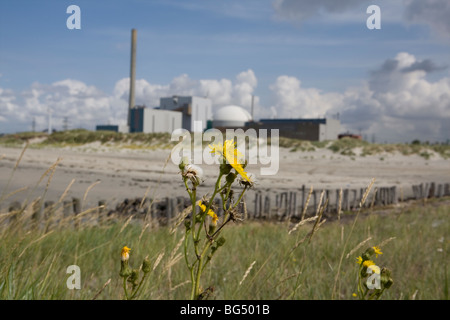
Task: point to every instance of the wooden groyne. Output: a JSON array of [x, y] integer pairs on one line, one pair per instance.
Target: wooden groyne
[[270, 205]]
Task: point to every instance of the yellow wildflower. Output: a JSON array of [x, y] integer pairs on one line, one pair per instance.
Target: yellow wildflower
[[125, 253], [359, 260], [377, 251], [211, 213], [368, 263], [232, 156]]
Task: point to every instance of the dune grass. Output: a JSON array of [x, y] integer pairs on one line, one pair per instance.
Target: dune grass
[[262, 260], [346, 146], [34, 261]]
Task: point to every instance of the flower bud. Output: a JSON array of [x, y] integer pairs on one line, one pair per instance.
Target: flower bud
[[220, 241], [225, 168], [134, 277], [369, 252], [146, 266], [231, 177], [385, 278], [125, 270]]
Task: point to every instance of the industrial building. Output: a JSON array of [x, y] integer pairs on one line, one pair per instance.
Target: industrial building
[[148, 120], [196, 111], [195, 115], [303, 129]]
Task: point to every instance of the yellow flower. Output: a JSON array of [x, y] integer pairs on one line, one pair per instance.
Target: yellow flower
[[359, 260], [232, 156], [377, 251], [125, 253], [211, 213], [368, 263], [354, 295]]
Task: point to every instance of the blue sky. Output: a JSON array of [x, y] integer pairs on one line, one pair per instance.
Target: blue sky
[[299, 58]]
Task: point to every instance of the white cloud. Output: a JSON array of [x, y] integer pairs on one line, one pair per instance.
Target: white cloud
[[87, 106], [294, 101], [396, 103]]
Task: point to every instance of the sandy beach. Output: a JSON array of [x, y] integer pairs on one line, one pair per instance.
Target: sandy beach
[[113, 174]]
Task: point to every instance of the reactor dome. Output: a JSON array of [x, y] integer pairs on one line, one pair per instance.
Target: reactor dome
[[231, 116]]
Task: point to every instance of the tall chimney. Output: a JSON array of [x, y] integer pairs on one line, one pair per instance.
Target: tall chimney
[[132, 73], [253, 99]]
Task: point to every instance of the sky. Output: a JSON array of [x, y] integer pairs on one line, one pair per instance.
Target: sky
[[298, 58]]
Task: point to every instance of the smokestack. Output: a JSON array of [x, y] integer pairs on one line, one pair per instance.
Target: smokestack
[[132, 73], [253, 99]]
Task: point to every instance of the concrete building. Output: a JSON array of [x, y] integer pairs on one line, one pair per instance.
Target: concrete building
[[231, 117], [149, 120], [303, 129], [196, 111]]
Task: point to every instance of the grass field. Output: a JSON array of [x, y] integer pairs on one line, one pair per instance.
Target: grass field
[[260, 260], [34, 262]]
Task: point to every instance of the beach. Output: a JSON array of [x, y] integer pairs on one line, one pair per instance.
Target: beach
[[94, 172]]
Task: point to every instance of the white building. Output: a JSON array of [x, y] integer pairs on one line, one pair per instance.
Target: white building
[[196, 111], [148, 120]]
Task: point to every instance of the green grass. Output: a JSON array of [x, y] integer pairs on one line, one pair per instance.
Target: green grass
[[33, 263]]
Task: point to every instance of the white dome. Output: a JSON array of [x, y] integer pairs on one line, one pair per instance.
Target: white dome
[[232, 114]]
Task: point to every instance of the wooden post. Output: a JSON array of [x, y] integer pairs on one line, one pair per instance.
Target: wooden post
[[15, 207], [37, 210], [426, 192], [48, 208], [303, 198], [255, 211], [439, 191], [315, 199], [294, 212], [394, 195], [266, 209], [355, 198], [346, 203], [337, 200], [76, 206], [432, 190]]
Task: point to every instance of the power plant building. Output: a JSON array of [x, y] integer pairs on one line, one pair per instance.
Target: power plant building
[[195, 111], [149, 120], [303, 129]]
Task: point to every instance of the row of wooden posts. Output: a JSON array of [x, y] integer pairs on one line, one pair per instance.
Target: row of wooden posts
[[269, 205]]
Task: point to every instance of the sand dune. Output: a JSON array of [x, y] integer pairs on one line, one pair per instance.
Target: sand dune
[[115, 174]]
